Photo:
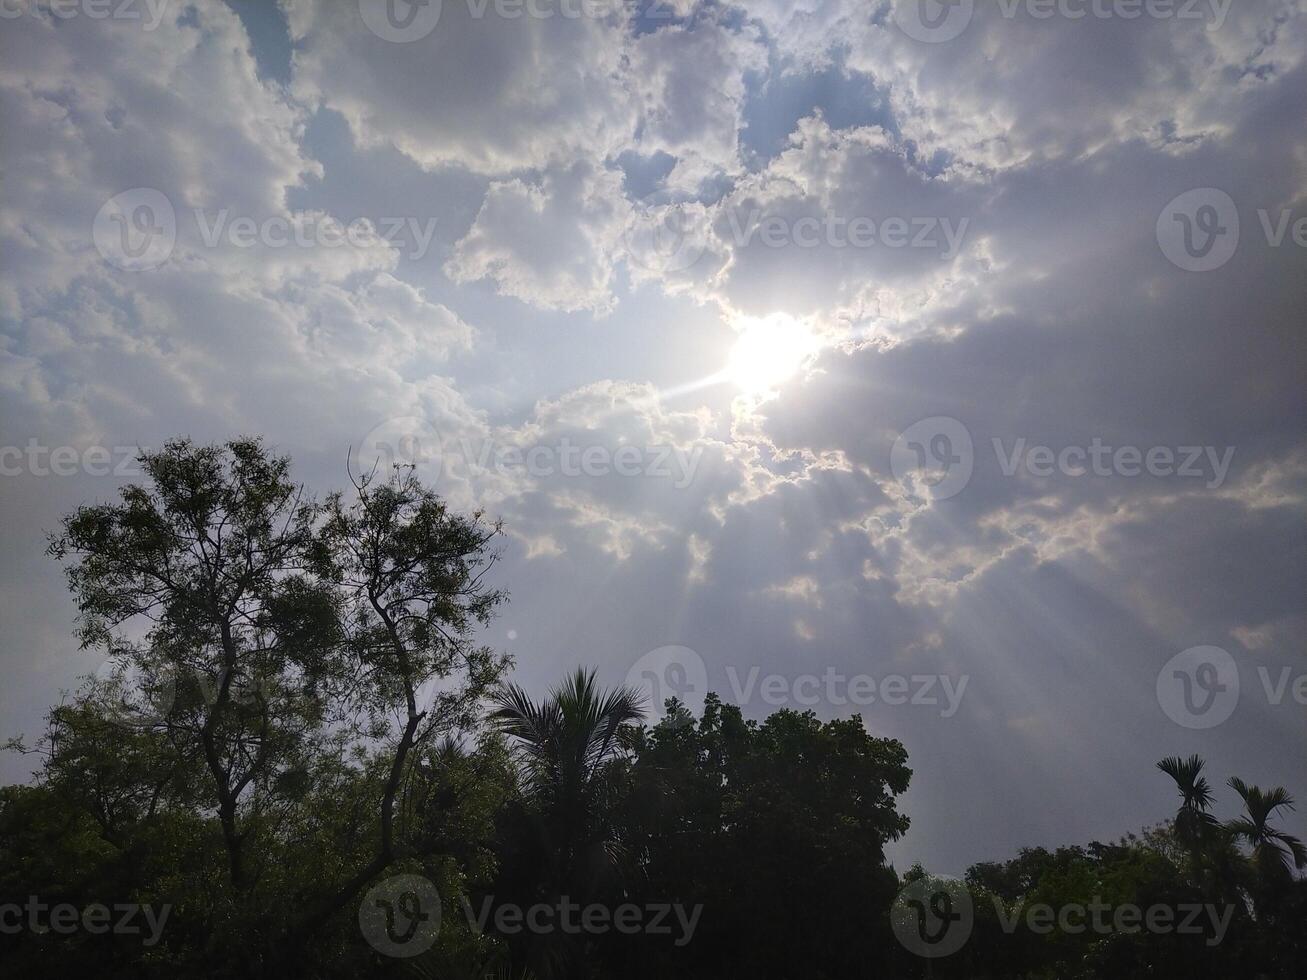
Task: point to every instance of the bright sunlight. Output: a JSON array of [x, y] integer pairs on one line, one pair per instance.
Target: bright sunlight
[[770, 351]]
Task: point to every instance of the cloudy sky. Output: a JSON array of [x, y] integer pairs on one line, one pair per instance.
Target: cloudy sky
[[946, 363]]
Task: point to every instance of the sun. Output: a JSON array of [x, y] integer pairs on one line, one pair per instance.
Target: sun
[[769, 351]]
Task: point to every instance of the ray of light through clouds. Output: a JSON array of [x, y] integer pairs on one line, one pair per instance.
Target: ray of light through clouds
[[800, 333]]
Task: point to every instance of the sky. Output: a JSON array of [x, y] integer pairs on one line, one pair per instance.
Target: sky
[[939, 364]]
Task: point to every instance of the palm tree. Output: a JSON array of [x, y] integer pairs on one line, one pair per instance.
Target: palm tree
[[1216, 864], [567, 739], [1273, 851], [1193, 822], [565, 744]]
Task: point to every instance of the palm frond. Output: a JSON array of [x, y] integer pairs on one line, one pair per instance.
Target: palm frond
[[1189, 779]]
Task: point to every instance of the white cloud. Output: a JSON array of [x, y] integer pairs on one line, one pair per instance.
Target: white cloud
[[692, 88], [550, 243], [491, 94]]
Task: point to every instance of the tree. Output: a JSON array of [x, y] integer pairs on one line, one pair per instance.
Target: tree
[[1193, 822], [565, 745], [566, 742], [410, 578], [777, 830], [298, 707], [1274, 852], [274, 657], [206, 566]]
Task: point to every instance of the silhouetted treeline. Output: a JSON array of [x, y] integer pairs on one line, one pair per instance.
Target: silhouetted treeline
[[304, 765]]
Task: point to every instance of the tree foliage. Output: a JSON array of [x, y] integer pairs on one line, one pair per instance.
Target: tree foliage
[[296, 709]]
